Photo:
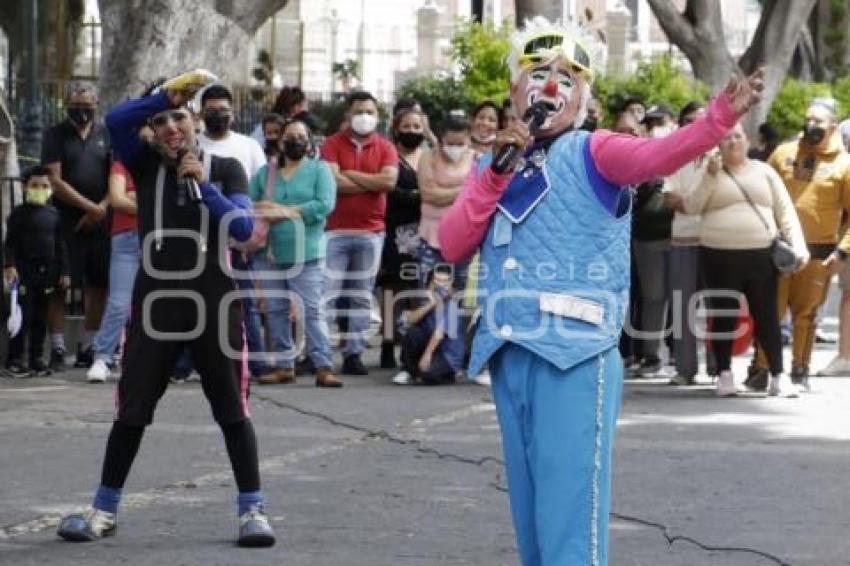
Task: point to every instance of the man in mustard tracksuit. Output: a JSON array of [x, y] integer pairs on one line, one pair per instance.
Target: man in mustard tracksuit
[[816, 172]]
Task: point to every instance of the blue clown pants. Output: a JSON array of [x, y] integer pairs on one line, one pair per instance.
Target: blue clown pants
[[557, 435]]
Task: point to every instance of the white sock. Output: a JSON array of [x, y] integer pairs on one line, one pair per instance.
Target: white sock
[[57, 340]]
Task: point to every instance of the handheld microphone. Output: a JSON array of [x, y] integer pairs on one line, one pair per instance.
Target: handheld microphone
[[190, 184], [534, 117]]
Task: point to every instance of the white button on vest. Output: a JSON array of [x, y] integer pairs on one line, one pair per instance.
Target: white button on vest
[[511, 263], [506, 331]]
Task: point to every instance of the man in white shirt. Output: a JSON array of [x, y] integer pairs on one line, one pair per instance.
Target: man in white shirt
[[220, 140]]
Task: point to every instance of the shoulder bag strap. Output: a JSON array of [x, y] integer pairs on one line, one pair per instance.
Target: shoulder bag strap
[[747, 196], [271, 170]]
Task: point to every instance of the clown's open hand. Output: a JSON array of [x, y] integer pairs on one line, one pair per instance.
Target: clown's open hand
[[745, 92]]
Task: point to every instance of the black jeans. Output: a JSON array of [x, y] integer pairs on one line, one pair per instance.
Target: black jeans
[[413, 345], [33, 300], [751, 273]]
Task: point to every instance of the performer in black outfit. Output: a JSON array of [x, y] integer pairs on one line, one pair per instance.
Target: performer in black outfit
[[187, 207]]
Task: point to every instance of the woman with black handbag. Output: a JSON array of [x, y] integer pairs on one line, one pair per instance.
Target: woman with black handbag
[[750, 235]]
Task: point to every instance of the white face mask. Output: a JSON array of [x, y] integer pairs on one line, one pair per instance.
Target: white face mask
[[454, 152], [364, 124]]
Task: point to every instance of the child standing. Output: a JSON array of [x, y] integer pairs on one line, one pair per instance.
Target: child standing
[[36, 259]]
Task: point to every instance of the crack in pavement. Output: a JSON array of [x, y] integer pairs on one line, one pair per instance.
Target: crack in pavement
[[420, 447], [380, 434], [671, 539]]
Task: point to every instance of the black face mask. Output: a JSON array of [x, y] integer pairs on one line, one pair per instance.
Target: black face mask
[[295, 149], [272, 146], [410, 140], [217, 122], [813, 135], [590, 124], [81, 116]]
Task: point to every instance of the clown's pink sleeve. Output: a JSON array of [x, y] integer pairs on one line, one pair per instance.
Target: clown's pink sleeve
[[626, 160], [465, 223]]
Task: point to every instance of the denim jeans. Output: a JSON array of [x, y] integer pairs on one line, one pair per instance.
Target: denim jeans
[[123, 265], [304, 285], [352, 264], [251, 316]]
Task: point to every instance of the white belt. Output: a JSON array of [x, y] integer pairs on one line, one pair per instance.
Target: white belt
[[572, 307]]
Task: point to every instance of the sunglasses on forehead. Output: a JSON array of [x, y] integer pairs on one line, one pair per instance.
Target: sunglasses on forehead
[[176, 116], [540, 48]]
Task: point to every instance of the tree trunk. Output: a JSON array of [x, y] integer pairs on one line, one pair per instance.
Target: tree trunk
[[58, 22], [147, 39], [698, 32], [527, 9]]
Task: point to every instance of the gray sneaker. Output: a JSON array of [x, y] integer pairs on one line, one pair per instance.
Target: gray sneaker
[[88, 526], [254, 528]]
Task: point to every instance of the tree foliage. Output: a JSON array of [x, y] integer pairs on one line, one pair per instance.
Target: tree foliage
[[479, 52], [438, 96], [789, 106], [656, 81]]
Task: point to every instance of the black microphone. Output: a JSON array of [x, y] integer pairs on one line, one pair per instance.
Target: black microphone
[[190, 184], [534, 117]]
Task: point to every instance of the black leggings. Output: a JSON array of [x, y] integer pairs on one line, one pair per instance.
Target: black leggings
[[751, 273], [124, 441]]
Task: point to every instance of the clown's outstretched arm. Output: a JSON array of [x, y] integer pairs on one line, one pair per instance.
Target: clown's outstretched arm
[[625, 160], [465, 224]]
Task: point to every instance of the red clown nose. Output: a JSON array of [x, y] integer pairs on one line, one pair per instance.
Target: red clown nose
[[551, 88]]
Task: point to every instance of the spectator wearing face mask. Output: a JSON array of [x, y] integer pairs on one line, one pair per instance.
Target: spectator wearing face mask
[[398, 261], [442, 172], [684, 253], [651, 229], [77, 152], [36, 261], [659, 121], [432, 346], [767, 141], [296, 197], [220, 140], [365, 167], [816, 171], [272, 125]]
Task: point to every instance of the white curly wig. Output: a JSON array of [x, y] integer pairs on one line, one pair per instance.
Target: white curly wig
[[576, 33]]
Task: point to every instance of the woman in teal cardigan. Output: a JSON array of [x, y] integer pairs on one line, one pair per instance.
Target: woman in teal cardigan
[[296, 198]]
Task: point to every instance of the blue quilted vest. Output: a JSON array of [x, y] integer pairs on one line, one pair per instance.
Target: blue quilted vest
[[554, 272]]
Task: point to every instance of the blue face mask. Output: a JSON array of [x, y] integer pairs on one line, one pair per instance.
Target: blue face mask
[[443, 290]]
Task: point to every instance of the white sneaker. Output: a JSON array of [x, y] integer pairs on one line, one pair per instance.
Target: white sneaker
[[402, 378], [726, 385], [838, 367], [98, 372], [482, 378], [781, 386]]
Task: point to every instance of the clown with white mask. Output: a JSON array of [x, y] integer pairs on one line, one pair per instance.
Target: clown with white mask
[[553, 233]]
